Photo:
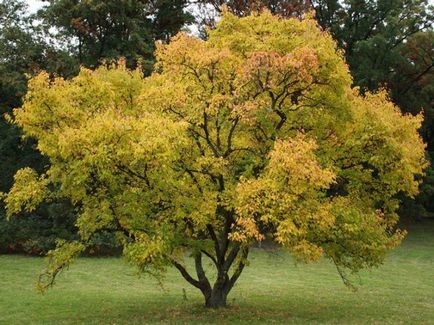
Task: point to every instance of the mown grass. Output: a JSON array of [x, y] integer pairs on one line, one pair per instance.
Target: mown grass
[[271, 290]]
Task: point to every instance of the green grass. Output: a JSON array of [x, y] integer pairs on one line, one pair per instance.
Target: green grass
[[271, 290]]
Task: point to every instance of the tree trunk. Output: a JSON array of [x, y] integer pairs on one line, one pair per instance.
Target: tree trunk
[[216, 295], [217, 298]]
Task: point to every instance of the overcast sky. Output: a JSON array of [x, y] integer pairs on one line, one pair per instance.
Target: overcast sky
[[34, 5]]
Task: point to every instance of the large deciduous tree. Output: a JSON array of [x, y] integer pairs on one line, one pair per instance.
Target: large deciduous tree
[[252, 134]]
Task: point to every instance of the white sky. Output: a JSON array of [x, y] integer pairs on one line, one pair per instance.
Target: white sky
[[34, 5]]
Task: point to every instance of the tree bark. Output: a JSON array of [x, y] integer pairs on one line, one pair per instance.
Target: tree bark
[[216, 295], [217, 298], [229, 259]]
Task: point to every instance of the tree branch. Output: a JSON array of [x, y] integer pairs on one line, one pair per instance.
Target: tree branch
[[238, 270], [216, 242], [186, 275], [212, 258], [230, 136], [130, 172], [200, 271], [207, 136], [231, 257]]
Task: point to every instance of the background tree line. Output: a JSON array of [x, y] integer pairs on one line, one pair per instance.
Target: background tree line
[[387, 43]]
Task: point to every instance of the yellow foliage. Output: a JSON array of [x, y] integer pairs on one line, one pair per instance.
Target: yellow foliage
[[252, 133], [27, 193]]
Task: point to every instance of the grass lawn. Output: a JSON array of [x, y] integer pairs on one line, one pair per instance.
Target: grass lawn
[[271, 290]]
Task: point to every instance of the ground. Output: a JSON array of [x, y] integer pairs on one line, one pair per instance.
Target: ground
[[271, 290]]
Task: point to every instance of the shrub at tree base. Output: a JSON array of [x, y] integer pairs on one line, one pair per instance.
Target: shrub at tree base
[[252, 134]]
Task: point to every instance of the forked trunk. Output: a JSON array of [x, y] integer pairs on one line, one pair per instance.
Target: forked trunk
[[216, 295]]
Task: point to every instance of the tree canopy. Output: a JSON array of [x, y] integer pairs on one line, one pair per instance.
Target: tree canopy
[[254, 133], [107, 30], [388, 45], [58, 39], [25, 51]]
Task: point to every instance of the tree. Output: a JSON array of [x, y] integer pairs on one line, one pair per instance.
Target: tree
[[107, 30], [24, 51], [207, 11], [286, 8], [412, 87], [372, 32], [412, 77], [27, 46], [253, 133], [388, 44]]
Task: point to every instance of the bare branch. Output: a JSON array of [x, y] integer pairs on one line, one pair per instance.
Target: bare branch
[[238, 270], [185, 274]]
